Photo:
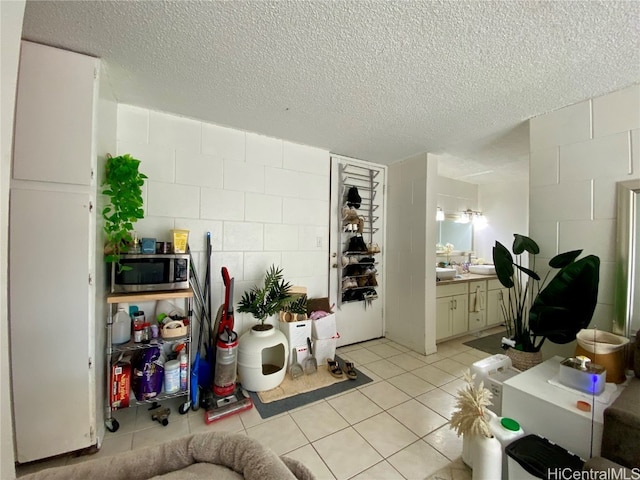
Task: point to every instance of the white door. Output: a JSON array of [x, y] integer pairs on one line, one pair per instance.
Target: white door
[[49, 321], [54, 115], [357, 320]]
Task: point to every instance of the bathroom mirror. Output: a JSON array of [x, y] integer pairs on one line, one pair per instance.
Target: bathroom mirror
[[627, 292], [460, 235]]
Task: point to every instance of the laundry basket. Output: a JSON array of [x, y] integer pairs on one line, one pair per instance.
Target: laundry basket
[[606, 349]]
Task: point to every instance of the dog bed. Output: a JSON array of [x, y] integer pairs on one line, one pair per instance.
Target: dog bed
[[213, 455]]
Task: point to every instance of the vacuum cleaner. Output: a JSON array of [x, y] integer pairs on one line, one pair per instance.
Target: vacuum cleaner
[[228, 396]]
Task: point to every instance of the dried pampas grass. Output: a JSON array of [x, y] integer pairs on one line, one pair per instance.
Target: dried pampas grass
[[470, 416]]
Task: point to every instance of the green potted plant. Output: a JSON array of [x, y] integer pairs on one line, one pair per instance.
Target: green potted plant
[[123, 185], [267, 300], [536, 310]]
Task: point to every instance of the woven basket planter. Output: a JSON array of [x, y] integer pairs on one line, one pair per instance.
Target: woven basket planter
[[523, 360]]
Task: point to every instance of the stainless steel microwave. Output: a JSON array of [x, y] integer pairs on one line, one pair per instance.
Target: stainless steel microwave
[[150, 273]]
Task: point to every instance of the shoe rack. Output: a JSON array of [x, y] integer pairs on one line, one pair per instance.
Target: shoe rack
[[357, 257]]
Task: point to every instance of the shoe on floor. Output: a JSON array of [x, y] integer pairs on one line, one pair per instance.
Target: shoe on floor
[[350, 370], [334, 368]]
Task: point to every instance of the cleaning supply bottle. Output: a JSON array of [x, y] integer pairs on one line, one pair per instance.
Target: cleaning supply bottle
[[184, 364], [121, 327]]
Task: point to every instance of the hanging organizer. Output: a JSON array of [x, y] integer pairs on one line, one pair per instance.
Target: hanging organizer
[[357, 250]]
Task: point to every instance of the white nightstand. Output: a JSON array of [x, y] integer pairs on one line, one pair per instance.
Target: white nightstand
[[550, 410]]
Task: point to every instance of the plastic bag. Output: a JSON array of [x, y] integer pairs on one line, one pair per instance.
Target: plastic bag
[[147, 374]]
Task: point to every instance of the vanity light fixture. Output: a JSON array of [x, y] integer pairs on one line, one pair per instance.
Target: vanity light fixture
[[468, 215], [439, 215], [479, 220]]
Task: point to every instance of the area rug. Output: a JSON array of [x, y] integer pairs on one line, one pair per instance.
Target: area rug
[[489, 344], [308, 389]]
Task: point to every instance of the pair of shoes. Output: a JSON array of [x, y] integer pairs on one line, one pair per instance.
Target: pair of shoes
[[349, 282], [350, 370], [350, 215], [334, 368]]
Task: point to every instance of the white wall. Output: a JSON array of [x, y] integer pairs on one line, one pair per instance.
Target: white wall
[[410, 303], [12, 14], [265, 201], [506, 206], [578, 153], [455, 196]]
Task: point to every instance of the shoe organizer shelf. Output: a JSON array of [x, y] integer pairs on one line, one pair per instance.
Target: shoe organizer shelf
[[114, 351], [357, 250]]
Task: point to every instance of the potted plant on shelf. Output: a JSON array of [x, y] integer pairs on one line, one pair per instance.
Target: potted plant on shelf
[[123, 185], [535, 310]]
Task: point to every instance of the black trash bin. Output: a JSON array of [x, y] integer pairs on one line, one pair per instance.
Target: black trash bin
[[533, 456]]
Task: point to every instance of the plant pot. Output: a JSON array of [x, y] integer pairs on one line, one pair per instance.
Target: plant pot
[[262, 358], [523, 360]]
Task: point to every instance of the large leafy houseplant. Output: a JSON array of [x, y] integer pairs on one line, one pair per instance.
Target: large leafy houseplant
[[268, 299], [123, 185], [535, 310]]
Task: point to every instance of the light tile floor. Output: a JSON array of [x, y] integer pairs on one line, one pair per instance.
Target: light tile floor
[[393, 428]]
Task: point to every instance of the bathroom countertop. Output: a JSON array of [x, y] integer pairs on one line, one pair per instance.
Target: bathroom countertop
[[466, 277]]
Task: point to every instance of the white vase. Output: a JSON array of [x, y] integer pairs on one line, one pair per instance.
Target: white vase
[[262, 358], [486, 458], [467, 449]]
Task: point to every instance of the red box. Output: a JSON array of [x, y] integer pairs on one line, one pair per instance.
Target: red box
[[120, 385]]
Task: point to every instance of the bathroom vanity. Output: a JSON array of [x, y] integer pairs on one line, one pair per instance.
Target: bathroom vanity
[[468, 303]]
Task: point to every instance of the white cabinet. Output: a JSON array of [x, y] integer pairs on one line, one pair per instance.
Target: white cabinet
[[54, 115], [496, 295], [53, 255], [477, 304], [451, 310]]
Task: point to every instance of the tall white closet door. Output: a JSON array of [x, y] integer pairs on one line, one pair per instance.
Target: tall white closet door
[[49, 312], [357, 321]]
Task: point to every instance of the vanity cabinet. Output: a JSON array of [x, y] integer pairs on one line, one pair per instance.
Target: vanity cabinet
[[496, 295], [468, 305], [451, 310], [477, 304]]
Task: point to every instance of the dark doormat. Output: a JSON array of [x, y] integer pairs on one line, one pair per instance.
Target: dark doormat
[[267, 410], [489, 344]]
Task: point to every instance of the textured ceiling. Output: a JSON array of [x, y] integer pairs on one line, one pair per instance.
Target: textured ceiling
[[375, 80]]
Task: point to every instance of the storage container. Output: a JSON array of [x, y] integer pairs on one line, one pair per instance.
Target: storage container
[[121, 328], [506, 430], [532, 457], [172, 376], [606, 349], [324, 327]]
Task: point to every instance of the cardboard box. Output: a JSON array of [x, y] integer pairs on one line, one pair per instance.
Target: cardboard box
[[318, 304], [296, 332], [324, 327], [120, 385]]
